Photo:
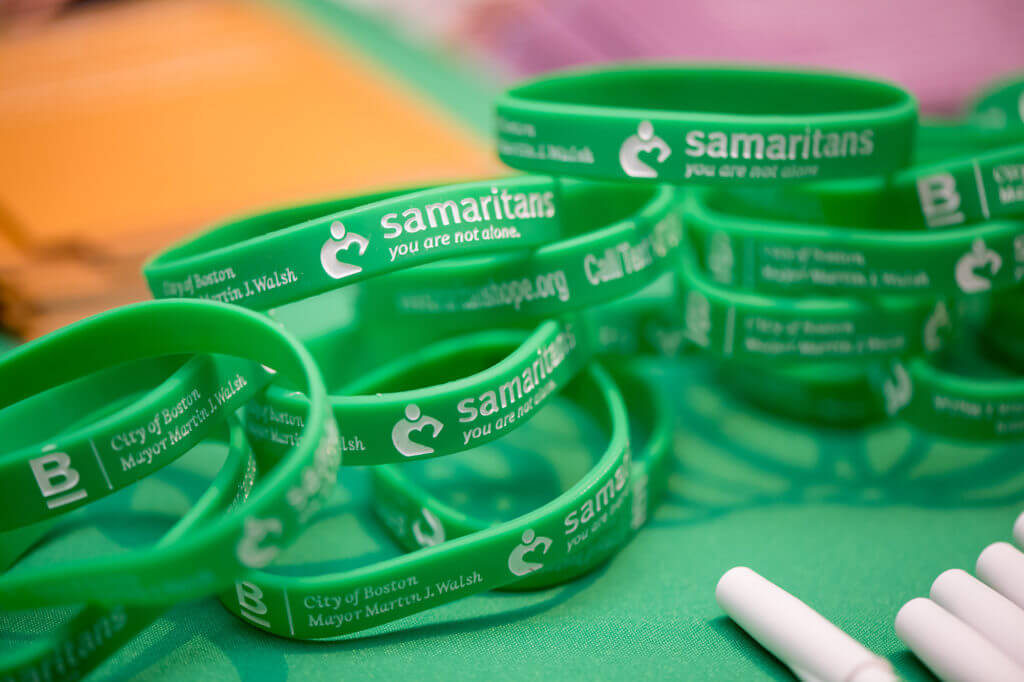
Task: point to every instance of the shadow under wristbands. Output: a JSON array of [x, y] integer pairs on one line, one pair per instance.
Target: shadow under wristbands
[[87, 439], [268, 260], [336, 604], [385, 419], [769, 256], [247, 537], [753, 327], [94, 633], [651, 424], [696, 124]]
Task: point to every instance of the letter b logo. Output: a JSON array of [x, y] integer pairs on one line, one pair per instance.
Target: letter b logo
[[57, 479], [250, 602], [940, 202]]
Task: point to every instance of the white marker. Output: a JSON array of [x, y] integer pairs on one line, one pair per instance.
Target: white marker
[[1001, 566], [813, 648], [951, 648], [995, 617], [1018, 531]]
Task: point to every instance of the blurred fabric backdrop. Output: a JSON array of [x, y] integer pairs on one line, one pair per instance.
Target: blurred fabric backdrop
[[125, 124]]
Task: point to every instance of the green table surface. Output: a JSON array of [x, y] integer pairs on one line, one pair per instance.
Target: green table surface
[[855, 522]]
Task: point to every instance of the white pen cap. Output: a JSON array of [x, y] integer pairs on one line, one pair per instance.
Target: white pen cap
[[815, 649], [992, 615], [1018, 531], [1001, 566], [953, 650]]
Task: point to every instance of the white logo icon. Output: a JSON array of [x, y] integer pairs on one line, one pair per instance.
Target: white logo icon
[[250, 602], [644, 141], [698, 319], [938, 321], [341, 241], [436, 534], [414, 421], [979, 256], [1018, 254], [56, 478], [720, 257], [249, 551], [668, 341], [940, 201], [516, 561], [897, 389]]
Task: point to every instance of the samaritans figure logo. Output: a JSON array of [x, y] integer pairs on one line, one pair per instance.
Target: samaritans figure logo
[[644, 141], [341, 240], [720, 257], [516, 560], [424, 538], [897, 389], [414, 421], [934, 326], [979, 256], [250, 550], [698, 319]]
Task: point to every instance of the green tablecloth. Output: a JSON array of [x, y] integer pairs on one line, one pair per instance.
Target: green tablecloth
[[855, 522]]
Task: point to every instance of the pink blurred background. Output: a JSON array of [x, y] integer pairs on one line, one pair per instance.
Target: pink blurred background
[[942, 51]]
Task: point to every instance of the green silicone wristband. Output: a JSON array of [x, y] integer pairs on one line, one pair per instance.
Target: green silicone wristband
[[749, 327], [267, 260], [651, 426], [94, 633], [941, 138], [999, 110], [985, 184], [387, 421], [647, 323], [588, 268], [213, 556], [773, 256], [333, 605], [75, 464], [704, 125], [953, 406]]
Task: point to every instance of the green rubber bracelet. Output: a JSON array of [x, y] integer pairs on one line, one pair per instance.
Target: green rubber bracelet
[[589, 267], [942, 402], [387, 421], [651, 426], [267, 260], [647, 323], [941, 138], [999, 109], [212, 557], [683, 124], [73, 455], [971, 187], [333, 605], [772, 256], [749, 327], [94, 633]]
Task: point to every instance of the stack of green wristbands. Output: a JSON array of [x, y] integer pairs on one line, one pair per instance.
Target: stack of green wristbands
[[801, 229]]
